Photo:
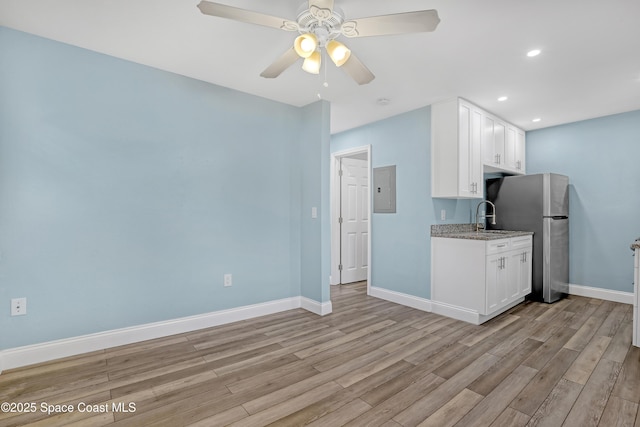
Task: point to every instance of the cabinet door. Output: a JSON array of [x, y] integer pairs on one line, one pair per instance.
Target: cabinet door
[[488, 140], [520, 151], [515, 274], [525, 273], [477, 172], [496, 282], [494, 133], [511, 161], [470, 166], [499, 135], [519, 273]]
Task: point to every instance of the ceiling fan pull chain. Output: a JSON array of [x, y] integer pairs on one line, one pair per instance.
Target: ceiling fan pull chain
[[324, 54]]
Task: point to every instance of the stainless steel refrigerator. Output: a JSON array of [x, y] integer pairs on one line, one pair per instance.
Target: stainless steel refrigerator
[[538, 203]]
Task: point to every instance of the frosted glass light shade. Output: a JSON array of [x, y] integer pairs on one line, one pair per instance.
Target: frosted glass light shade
[[312, 63], [305, 45], [338, 52]]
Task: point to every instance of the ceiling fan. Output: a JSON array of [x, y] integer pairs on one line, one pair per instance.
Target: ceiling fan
[[319, 23]]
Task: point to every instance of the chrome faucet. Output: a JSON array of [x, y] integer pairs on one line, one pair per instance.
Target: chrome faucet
[[492, 216]]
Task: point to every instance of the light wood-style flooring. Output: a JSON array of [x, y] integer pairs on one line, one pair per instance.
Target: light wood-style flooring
[[369, 363]]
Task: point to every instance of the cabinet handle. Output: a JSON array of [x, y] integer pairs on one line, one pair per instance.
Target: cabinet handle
[[502, 245]]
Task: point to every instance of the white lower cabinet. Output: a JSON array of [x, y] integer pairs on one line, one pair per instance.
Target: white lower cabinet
[[475, 280], [521, 255]]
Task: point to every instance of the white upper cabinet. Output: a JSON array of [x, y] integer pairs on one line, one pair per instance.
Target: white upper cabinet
[[515, 150], [467, 141], [493, 142], [502, 146], [456, 150]]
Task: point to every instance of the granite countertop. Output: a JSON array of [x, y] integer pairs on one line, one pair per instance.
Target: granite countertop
[[468, 231]]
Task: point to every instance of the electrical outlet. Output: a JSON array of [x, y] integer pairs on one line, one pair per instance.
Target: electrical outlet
[[443, 214], [228, 280], [18, 306]]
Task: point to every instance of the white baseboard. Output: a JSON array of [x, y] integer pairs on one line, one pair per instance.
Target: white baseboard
[[600, 293], [400, 298], [475, 318], [43, 352], [455, 312], [38, 353], [316, 307], [469, 316]]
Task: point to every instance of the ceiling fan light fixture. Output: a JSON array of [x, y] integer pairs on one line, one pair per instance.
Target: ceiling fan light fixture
[[305, 45], [312, 63], [338, 52]]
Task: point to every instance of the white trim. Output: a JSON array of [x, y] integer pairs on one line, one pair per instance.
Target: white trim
[[467, 315], [400, 298], [600, 293], [321, 309], [455, 312], [43, 352], [335, 210]]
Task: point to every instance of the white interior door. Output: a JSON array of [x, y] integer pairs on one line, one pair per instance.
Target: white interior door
[[354, 219]]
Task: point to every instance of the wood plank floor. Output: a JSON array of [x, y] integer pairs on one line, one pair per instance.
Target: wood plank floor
[[369, 363]]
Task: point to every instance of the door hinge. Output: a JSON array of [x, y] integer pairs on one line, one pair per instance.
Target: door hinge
[[340, 172], [340, 220], [340, 267]]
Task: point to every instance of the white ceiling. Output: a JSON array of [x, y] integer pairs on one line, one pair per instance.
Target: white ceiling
[[589, 65]]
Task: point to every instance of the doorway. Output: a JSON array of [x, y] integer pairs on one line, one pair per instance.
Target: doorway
[[351, 216]]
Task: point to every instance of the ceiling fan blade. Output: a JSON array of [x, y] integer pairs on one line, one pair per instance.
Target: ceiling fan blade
[[357, 70], [399, 23], [243, 15], [279, 65]]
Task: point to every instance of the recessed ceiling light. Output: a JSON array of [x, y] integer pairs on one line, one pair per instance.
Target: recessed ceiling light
[[536, 120], [534, 52], [502, 98], [382, 101]]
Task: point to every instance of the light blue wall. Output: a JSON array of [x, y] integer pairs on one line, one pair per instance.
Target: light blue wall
[[315, 237], [400, 242], [127, 192], [600, 156]]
